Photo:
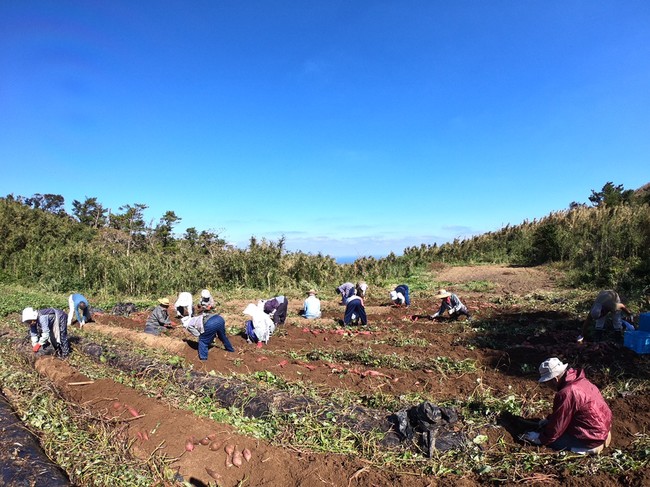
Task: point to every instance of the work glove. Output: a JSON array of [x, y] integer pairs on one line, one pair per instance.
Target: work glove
[[531, 437], [36, 347], [580, 339], [451, 314]]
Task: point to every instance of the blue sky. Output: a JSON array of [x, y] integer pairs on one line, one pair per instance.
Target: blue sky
[[351, 127]]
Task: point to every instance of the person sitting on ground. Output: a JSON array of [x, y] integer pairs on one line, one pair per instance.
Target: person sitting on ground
[[184, 305], [607, 303], [206, 302], [159, 318], [581, 420], [362, 289], [400, 296], [205, 327], [260, 327], [49, 325], [311, 306], [355, 311], [79, 308], [450, 303], [345, 290], [276, 308]]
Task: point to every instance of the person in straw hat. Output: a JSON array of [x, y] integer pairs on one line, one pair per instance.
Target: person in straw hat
[[451, 304], [159, 318], [581, 420], [311, 306]]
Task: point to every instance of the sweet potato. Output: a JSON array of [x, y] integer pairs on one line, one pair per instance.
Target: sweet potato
[[215, 445], [213, 473], [247, 454], [237, 458]]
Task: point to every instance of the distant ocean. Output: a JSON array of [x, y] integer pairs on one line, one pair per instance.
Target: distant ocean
[[349, 259]]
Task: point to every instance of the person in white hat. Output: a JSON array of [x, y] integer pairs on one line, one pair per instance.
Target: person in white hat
[[48, 325], [607, 303], [451, 304], [206, 302], [362, 289], [581, 420], [311, 306]]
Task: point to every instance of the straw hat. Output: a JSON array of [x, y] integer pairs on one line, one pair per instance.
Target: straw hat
[[164, 301], [551, 368], [442, 294]]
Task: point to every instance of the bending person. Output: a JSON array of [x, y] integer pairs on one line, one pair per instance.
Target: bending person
[[205, 328], [80, 309], [355, 311], [49, 325]]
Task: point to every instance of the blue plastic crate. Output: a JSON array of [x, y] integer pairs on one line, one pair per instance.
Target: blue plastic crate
[[639, 341], [644, 322]]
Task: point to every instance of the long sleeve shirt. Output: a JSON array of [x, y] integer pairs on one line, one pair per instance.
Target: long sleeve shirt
[[451, 304], [312, 307], [156, 320], [578, 410], [262, 323], [194, 325], [77, 299]]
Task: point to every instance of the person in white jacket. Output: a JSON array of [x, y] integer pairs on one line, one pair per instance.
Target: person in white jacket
[[260, 327], [184, 305]]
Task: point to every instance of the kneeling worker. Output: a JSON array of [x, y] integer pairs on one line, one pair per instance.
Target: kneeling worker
[[581, 420]]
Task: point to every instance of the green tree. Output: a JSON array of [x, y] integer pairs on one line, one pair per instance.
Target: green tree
[[163, 231], [130, 221], [611, 195], [90, 212]]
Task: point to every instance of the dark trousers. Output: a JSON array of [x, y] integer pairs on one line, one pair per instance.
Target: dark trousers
[[404, 289], [280, 315], [355, 307], [215, 326]]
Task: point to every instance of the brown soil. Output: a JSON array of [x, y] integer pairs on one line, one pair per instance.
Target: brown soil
[[507, 363]]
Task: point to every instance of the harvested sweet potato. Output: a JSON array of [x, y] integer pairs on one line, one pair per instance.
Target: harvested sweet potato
[[213, 473], [189, 446], [247, 454], [205, 441], [215, 445], [237, 458]]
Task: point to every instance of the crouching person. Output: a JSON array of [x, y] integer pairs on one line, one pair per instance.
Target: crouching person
[[581, 420], [451, 304], [205, 328], [260, 327], [48, 325], [355, 311]]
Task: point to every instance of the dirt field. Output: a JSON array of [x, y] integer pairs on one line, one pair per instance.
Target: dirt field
[[515, 326]]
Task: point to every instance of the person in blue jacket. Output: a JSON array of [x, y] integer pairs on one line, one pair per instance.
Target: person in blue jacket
[[80, 309]]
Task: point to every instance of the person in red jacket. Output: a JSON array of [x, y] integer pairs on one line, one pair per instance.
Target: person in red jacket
[[581, 420]]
